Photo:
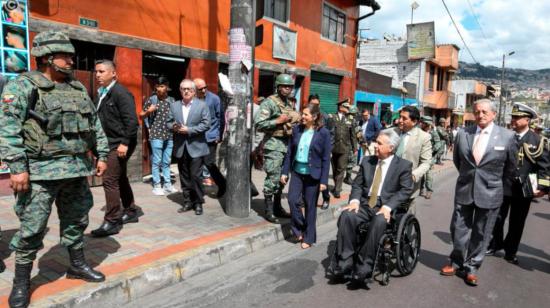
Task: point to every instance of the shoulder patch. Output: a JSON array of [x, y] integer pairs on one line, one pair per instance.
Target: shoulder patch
[[8, 98]]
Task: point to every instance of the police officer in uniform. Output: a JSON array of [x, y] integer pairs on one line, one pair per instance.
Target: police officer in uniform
[[533, 159], [352, 159], [49, 126], [343, 141], [275, 119]]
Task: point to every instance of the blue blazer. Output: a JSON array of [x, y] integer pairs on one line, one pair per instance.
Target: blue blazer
[[198, 122], [319, 153], [215, 107], [372, 129]]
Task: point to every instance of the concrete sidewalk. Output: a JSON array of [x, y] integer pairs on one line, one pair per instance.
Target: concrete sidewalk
[[165, 247]]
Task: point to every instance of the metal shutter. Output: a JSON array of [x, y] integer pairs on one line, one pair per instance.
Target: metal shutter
[[327, 86]]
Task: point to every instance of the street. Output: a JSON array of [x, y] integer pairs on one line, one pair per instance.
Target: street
[[285, 275]]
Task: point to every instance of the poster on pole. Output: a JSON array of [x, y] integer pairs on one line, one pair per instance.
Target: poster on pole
[[421, 40], [14, 45]]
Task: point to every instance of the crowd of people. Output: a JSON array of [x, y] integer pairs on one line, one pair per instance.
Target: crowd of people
[[50, 125]]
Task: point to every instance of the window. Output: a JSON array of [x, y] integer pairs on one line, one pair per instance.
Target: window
[[276, 9], [87, 53], [334, 24], [431, 79]]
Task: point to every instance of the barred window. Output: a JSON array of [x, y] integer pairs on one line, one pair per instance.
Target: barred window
[[276, 9], [334, 24]]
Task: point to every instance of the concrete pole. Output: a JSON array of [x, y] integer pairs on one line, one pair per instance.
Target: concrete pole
[[239, 111], [500, 115]]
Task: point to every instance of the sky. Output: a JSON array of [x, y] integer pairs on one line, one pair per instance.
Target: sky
[[506, 26]]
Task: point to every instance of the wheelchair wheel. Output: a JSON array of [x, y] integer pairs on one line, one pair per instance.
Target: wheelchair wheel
[[408, 244]]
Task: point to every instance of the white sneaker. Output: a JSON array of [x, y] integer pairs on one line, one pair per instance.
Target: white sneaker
[[158, 191], [170, 189]]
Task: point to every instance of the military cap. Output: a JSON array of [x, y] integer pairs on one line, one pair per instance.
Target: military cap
[[426, 119], [50, 42], [345, 103], [522, 110], [353, 109], [442, 120]]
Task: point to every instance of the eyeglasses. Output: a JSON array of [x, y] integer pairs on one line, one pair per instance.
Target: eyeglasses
[[187, 89]]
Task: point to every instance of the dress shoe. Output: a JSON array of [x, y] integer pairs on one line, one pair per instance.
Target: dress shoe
[[325, 205], [491, 252], [428, 195], [129, 218], [107, 228], [186, 207], [471, 279], [198, 209], [511, 259], [347, 179], [360, 277], [448, 270], [80, 269], [336, 194]]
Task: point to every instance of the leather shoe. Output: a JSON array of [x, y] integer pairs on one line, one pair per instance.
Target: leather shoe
[[359, 277], [471, 279], [107, 228], [428, 195], [491, 252], [511, 259], [129, 218], [448, 270], [336, 194], [325, 205], [198, 209], [186, 207]]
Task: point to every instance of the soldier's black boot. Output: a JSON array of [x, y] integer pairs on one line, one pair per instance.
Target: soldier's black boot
[[269, 210], [80, 269], [20, 292], [278, 209]]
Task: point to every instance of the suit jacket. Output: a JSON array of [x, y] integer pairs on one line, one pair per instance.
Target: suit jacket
[[198, 122], [373, 128], [419, 152], [484, 184], [397, 187], [319, 153], [214, 133], [117, 113]]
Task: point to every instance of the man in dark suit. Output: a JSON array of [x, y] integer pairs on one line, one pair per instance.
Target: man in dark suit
[[370, 127], [384, 182], [533, 159], [485, 156], [117, 112], [190, 120]]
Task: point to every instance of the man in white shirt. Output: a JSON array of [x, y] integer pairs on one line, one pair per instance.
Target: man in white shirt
[[383, 183]]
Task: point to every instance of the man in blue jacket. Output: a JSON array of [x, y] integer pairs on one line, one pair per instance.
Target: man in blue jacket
[[370, 127]]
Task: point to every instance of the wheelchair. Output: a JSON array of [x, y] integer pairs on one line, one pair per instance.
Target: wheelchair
[[398, 248]]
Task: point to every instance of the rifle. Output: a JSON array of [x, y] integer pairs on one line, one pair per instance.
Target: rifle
[[33, 97]]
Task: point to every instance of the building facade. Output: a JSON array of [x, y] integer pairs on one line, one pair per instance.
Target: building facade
[[466, 92]]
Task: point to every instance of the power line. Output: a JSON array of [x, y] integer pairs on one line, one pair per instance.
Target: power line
[[480, 27], [458, 31]]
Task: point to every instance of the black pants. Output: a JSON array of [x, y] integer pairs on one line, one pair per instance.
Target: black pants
[[339, 164], [518, 207], [350, 254], [117, 186], [210, 163], [190, 170], [308, 187]]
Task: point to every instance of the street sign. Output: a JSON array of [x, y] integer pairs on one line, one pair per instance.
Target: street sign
[[88, 22]]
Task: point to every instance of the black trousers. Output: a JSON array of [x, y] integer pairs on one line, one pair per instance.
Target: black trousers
[[339, 164], [518, 206], [210, 163], [350, 254], [308, 187], [190, 170]]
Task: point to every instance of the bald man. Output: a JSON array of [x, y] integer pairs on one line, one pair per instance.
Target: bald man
[[214, 134]]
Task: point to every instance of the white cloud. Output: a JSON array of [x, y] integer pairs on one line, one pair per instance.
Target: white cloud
[[517, 26]]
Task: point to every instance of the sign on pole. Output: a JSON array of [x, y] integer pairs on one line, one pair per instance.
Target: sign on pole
[[421, 40]]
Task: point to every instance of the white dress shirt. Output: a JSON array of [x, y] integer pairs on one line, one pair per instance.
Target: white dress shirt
[[485, 140], [185, 110], [103, 92], [385, 166]]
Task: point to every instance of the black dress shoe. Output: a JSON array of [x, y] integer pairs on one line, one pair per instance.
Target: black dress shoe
[[107, 228], [325, 205], [129, 218], [198, 209], [511, 259], [361, 278], [336, 194], [186, 207], [491, 252]]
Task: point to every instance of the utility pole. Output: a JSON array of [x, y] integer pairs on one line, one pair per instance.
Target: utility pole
[[501, 100], [239, 110]]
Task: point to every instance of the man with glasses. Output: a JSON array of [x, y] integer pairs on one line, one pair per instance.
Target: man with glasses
[[117, 111], [214, 134], [190, 120]]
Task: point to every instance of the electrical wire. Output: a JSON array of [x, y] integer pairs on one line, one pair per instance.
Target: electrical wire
[[458, 31], [480, 27]]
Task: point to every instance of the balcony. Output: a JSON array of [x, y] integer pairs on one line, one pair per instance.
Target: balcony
[[438, 99]]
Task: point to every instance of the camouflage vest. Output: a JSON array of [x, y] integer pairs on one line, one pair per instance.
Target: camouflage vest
[[286, 129], [69, 129]]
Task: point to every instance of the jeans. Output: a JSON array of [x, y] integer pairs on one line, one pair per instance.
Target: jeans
[[162, 156]]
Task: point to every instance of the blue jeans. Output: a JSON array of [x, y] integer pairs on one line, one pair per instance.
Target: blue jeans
[[162, 156]]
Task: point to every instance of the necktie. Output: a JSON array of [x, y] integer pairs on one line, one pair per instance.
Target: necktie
[[401, 147], [477, 149], [518, 137], [375, 185]]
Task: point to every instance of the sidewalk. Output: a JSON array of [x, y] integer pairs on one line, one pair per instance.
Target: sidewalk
[[164, 248]]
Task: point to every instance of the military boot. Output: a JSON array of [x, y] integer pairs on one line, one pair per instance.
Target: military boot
[[20, 292], [347, 179], [278, 207], [269, 210], [80, 269]]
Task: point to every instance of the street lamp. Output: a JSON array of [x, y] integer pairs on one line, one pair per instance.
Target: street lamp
[[414, 6], [500, 115]]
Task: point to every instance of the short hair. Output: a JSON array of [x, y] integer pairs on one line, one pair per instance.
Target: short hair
[[414, 114], [365, 110], [189, 81], [313, 96], [492, 104], [393, 137], [106, 62]]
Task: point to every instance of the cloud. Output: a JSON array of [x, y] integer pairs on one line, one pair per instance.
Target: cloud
[[508, 26]]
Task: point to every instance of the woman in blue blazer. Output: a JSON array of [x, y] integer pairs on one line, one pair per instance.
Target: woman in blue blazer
[[308, 159]]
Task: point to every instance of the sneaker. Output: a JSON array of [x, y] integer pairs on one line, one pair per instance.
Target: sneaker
[[158, 191], [170, 189]]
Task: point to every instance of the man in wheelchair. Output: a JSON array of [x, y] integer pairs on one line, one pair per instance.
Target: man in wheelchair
[[384, 183]]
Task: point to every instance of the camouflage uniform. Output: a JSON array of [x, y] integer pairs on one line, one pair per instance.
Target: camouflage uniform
[[426, 183], [352, 158]]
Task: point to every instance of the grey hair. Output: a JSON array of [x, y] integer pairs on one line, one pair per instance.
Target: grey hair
[[492, 104], [393, 138], [190, 82]]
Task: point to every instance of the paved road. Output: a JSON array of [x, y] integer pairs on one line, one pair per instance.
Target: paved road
[[285, 275]]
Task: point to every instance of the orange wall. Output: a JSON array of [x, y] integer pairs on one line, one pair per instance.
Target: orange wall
[[447, 56]]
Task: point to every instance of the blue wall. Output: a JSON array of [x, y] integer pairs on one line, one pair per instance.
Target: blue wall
[[396, 101]]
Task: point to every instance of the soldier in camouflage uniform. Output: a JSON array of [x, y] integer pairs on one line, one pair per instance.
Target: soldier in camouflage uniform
[[275, 119], [49, 126], [426, 183], [352, 159]]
